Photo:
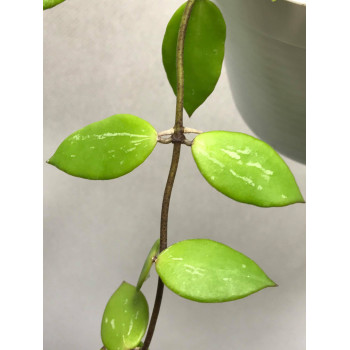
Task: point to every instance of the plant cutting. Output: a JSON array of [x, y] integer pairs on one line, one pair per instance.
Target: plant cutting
[[239, 166]]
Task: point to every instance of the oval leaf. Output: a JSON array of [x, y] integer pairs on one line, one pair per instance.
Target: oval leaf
[[51, 3], [106, 149], [210, 272], [203, 52], [148, 264], [125, 319], [245, 169]]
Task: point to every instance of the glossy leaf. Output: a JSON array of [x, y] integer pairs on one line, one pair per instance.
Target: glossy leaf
[[210, 272], [203, 52], [125, 319], [245, 169], [51, 3], [106, 149], [148, 264]]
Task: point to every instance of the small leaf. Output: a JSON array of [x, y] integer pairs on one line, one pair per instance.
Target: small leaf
[[106, 149], [51, 3], [203, 52], [245, 169], [210, 272], [125, 319], [148, 263]]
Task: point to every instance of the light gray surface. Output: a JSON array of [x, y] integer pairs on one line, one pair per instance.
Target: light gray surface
[[103, 57]]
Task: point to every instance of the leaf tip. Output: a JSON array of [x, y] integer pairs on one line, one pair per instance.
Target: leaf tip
[[52, 160], [299, 196], [300, 199], [190, 108], [189, 112], [273, 284]]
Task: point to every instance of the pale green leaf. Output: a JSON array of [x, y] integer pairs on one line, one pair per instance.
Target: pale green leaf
[[210, 272], [106, 149], [125, 319], [245, 169]]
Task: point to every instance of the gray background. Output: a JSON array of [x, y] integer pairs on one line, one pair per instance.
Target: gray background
[[103, 57]]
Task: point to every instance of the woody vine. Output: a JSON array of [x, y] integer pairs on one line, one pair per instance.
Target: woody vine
[[238, 165]]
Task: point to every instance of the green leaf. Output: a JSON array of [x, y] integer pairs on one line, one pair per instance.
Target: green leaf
[[125, 319], [51, 3], [245, 169], [203, 52], [148, 263], [106, 149], [210, 272]]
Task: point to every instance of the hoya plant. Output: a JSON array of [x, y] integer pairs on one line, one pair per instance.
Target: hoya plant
[[237, 165]]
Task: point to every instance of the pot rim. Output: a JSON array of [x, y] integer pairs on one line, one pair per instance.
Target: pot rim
[[297, 2]]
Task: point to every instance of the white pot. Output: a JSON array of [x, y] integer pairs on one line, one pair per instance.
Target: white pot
[[265, 60]]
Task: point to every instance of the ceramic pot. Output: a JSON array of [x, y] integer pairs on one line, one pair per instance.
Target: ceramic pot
[[265, 61]]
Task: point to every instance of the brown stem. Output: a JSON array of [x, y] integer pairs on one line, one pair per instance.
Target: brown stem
[[177, 138], [163, 240], [178, 127], [167, 195]]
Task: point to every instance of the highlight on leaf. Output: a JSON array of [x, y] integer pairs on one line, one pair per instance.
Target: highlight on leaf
[[245, 169], [125, 319], [203, 52], [210, 272], [51, 3], [106, 149]]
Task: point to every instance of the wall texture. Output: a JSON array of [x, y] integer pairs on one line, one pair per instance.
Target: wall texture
[[103, 57]]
